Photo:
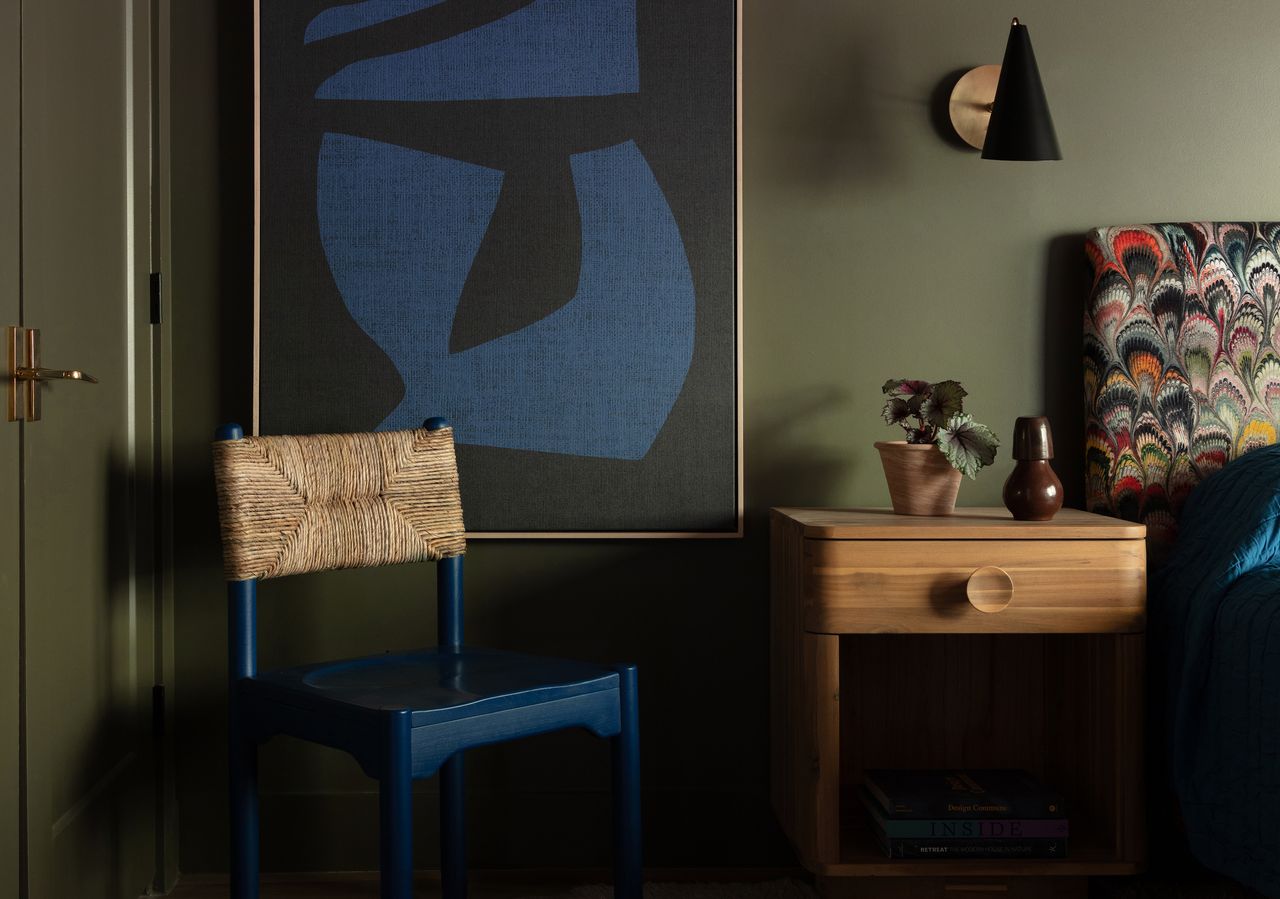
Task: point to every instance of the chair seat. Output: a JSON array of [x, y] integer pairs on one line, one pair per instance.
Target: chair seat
[[439, 685]]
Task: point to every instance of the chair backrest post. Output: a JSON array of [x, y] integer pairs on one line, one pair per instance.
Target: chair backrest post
[[448, 583], [242, 605], [242, 629], [229, 431], [449, 602]]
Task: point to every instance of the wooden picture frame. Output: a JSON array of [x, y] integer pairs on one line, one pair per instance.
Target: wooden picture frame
[[592, 221]]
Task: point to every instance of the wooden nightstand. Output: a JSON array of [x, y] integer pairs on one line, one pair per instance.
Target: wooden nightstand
[[882, 657]]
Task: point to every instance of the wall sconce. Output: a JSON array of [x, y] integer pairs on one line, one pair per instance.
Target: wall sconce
[[1001, 109]]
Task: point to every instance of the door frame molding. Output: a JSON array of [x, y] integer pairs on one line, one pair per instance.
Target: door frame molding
[[12, 845], [162, 335]]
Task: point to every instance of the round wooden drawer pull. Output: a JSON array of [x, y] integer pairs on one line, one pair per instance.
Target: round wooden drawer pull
[[990, 589]]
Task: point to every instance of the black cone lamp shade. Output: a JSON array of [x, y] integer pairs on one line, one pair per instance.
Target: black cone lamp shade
[[1020, 126]]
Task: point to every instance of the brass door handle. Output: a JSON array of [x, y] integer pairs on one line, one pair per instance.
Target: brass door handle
[[53, 374], [23, 345]]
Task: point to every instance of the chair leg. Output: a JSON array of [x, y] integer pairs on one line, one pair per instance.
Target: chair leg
[[395, 806], [453, 828], [628, 878], [243, 756]]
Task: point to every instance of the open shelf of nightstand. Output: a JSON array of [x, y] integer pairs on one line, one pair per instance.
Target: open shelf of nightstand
[[1049, 704], [1042, 703]]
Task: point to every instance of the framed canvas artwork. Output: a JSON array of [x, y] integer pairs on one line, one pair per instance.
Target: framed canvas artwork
[[521, 216]]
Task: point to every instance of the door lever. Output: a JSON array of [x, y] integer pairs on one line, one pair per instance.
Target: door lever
[[53, 374], [23, 346]]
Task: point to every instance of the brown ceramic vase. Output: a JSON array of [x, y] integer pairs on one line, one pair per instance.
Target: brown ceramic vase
[[921, 480], [1033, 492]]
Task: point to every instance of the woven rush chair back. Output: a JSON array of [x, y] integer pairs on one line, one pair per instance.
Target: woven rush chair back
[[295, 504]]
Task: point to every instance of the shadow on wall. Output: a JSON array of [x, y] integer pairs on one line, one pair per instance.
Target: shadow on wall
[[212, 326], [199, 732], [693, 614], [783, 467], [834, 134], [1068, 279]]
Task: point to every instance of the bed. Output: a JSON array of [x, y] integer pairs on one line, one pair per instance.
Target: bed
[[1182, 397]]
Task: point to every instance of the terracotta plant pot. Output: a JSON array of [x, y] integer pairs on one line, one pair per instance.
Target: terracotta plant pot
[[921, 480]]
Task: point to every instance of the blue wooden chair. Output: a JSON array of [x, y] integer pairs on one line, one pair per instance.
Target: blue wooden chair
[[294, 504]]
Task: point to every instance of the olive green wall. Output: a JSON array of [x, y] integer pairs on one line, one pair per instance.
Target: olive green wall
[[874, 247]]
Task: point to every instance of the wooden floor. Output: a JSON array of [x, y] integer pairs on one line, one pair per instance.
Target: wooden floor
[[678, 884], [671, 885], [365, 886]]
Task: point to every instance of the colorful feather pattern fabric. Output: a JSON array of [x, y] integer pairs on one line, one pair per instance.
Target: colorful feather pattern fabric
[[1182, 365]]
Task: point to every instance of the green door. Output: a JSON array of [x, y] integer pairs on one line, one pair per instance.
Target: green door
[[78, 555]]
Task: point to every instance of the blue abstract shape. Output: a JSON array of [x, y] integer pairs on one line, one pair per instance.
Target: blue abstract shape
[[550, 48], [354, 16], [597, 377]]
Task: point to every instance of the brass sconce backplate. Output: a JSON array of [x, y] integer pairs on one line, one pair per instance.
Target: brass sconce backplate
[[971, 101]]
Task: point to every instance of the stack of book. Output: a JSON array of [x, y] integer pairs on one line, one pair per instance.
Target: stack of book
[[964, 814]]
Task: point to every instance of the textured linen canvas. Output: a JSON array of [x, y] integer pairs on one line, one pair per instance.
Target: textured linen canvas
[[521, 216]]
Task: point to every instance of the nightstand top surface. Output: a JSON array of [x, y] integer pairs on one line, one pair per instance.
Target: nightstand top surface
[[975, 523]]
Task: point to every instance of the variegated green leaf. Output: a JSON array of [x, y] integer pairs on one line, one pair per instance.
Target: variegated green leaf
[[896, 411], [945, 400], [967, 445]]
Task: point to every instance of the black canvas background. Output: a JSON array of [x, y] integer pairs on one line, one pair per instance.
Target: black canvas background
[[319, 372]]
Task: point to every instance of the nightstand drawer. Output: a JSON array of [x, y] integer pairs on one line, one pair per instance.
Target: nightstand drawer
[[938, 586]]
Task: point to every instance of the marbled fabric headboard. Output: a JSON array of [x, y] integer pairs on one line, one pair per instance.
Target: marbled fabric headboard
[[1181, 366]]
